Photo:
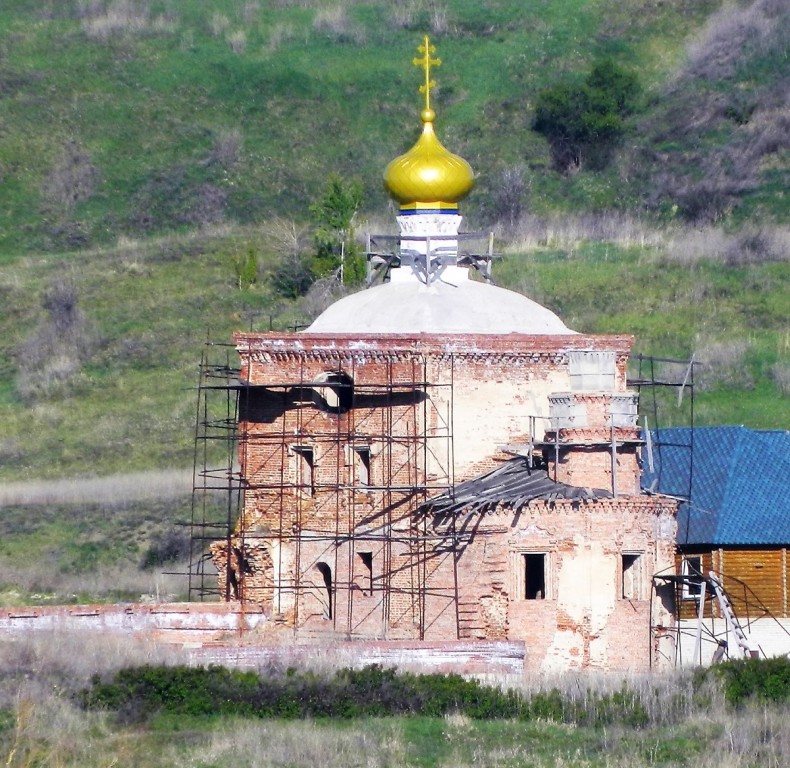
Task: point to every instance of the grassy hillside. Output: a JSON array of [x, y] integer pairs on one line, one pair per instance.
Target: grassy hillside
[[136, 117], [115, 391], [146, 148]]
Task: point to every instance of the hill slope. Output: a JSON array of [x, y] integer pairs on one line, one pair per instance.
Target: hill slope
[[139, 117], [147, 147], [124, 120]]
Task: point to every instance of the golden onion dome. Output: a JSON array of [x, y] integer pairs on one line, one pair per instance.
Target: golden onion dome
[[428, 175]]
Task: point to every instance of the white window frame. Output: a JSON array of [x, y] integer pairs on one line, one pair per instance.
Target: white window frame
[[691, 591]]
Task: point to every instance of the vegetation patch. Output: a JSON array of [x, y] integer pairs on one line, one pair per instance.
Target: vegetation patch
[[752, 680], [373, 691]]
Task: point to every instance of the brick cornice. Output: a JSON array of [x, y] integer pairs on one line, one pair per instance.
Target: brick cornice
[[378, 347], [652, 505]]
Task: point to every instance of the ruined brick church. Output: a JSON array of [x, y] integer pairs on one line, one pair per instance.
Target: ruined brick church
[[436, 458]]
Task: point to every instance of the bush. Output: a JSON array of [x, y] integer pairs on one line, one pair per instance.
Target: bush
[[724, 364], [752, 679], [780, 373], [56, 350], [172, 546], [292, 275], [372, 691], [583, 123], [508, 197], [71, 180]]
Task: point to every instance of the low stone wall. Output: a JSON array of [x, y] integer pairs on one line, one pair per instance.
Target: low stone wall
[[179, 623], [462, 657], [227, 634]]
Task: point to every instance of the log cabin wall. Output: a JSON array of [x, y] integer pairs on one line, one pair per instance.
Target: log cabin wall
[[763, 571]]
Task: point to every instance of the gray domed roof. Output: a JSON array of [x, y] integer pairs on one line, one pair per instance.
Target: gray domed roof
[[441, 307]]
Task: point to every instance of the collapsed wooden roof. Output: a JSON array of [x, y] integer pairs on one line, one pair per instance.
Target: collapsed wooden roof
[[512, 484]]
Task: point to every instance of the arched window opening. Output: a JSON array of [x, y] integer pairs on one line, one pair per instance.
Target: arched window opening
[[304, 456], [367, 575], [333, 392], [326, 573]]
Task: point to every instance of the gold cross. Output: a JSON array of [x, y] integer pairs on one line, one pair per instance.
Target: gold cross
[[426, 62]]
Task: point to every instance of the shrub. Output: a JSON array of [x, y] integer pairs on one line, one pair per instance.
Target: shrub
[[55, 351], [755, 245], [333, 22], [237, 40], [293, 275], [730, 32], [752, 679], [373, 691], [101, 21], [780, 373], [723, 364], [227, 148], [440, 23], [172, 546], [219, 24], [321, 294], [583, 123], [177, 196], [404, 13], [509, 196], [71, 180]]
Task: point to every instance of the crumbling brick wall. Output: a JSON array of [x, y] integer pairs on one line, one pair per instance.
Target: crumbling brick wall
[[335, 487]]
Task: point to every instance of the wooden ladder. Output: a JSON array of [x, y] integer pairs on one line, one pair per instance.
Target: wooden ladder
[[734, 627]]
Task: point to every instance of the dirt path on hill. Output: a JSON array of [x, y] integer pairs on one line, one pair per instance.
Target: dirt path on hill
[[108, 489]]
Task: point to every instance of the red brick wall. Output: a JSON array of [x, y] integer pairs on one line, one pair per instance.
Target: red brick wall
[[432, 411]]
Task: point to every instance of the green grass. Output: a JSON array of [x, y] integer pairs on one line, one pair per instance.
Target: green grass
[[674, 310], [150, 248], [151, 307], [416, 742], [149, 106], [89, 552], [699, 721]]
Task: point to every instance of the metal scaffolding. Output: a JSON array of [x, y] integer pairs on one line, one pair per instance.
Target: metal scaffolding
[[217, 488], [353, 487]]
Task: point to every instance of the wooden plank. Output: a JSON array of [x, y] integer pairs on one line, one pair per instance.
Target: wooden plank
[[761, 570]]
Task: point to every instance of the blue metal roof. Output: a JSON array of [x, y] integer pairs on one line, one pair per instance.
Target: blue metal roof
[[737, 481]]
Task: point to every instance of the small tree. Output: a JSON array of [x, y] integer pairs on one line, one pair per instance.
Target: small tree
[[292, 273], [245, 268], [509, 196], [333, 214], [583, 123]]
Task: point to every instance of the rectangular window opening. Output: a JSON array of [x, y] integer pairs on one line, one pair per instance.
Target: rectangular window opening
[[534, 576], [632, 578], [367, 576], [305, 469], [691, 570], [362, 464]]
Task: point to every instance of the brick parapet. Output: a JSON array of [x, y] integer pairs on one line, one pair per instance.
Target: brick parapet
[[594, 435], [345, 349]]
